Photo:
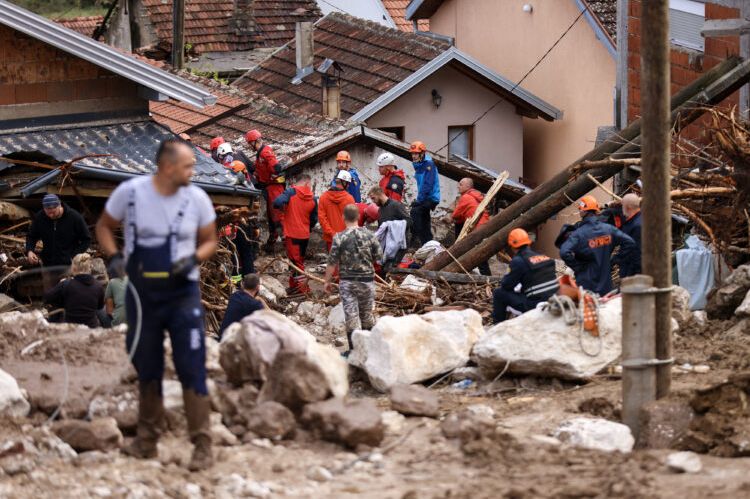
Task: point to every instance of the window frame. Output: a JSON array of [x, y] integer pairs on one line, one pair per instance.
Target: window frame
[[470, 133], [693, 8]]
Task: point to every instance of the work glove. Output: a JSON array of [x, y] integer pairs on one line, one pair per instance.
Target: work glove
[[182, 267], [116, 267]]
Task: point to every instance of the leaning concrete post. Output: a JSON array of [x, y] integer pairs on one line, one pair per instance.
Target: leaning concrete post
[[638, 348]]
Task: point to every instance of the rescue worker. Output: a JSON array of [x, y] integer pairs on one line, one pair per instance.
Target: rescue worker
[[270, 179], [533, 271], [354, 252], [243, 302], [169, 228], [344, 163], [331, 207], [299, 215], [368, 213], [225, 153], [63, 233], [465, 207], [428, 191], [215, 143], [390, 210], [392, 179], [631, 210], [588, 249]]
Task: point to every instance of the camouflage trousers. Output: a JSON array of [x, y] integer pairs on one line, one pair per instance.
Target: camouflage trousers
[[358, 299]]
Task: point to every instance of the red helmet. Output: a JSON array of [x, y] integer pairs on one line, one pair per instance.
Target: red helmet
[[518, 238], [252, 136], [417, 147], [216, 142], [588, 203], [343, 156], [371, 212]]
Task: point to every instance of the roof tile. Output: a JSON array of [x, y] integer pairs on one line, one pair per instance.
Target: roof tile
[[397, 10]]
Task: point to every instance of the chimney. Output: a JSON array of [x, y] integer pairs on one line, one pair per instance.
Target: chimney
[[330, 74], [242, 21], [303, 41]]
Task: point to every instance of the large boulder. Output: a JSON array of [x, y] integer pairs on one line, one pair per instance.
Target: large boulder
[[12, 401], [744, 309], [724, 300], [596, 433], [538, 343], [415, 348], [99, 434], [349, 422], [681, 306]]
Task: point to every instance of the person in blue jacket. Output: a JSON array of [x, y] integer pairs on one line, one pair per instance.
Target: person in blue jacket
[[588, 250], [533, 271], [631, 210], [344, 162], [428, 191]]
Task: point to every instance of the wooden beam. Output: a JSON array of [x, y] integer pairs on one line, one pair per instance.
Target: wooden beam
[[471, 222], [452, 277], [725, 27]]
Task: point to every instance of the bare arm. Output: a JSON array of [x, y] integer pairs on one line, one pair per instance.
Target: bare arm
[[207, 242], [109, 304], [105, 233]]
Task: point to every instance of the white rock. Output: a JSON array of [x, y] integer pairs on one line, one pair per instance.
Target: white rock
[[744, 309], [21, 324], [596, 433], [235, 485], [681, 306], [308, 310], [266, 295], [273, 286], [212, 356], [336, 319], [335, 368], [394, 422], [481, 410], [700, 317], [12, 401], [684, 462], [414, 348], [416, 284], [193, 491], [540, 344], [319, 474], [172, 393], [220, 434]]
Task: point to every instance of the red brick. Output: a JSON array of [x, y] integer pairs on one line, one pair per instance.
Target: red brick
[[34, 92], [89, 89], [7, 94], [60, 91], [120, 87], [714, 11]]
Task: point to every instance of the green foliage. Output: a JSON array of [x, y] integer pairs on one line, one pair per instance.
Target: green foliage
[[213, 75]]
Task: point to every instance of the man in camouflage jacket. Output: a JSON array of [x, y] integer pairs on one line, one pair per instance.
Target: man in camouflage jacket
[[354, 251]]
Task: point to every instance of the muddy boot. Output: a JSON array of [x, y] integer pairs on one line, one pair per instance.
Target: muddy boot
[[150, 415], [197, 410]]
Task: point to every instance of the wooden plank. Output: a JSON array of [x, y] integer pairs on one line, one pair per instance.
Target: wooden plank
[[725, 27], [452, 277], [470, 223]]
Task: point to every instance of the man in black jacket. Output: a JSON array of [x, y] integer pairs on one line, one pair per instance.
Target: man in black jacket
[[389, 209], [61, 229]]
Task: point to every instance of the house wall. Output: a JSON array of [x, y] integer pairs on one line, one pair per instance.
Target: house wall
[[38, 80], [498, 138], [686, 65], [578, 76]]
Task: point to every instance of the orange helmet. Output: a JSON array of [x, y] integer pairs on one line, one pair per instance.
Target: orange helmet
[[518, 238], [588, 203], [216, 142], [237, 166], [343, 156], [417, 146], [252, 136]]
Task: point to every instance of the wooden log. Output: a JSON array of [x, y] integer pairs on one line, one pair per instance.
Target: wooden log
[[471, 222], [702, 193], [13, 212], [559, 181], [559, 200], [450, 277]]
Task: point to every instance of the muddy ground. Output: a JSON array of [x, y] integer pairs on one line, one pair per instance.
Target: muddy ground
[[514, 459]]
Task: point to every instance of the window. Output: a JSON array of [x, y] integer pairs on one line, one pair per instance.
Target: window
[[461, 141], [396, 131], [686, 18]]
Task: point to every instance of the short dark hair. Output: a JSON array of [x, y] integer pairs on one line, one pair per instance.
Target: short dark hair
[[168, 148], [250, 281], [303, 177], [376, 191], [351, 213]]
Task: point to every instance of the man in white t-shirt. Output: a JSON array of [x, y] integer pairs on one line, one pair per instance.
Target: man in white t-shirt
[[169, 228]]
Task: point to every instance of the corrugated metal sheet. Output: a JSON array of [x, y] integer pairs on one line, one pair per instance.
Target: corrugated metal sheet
[[102, 55]]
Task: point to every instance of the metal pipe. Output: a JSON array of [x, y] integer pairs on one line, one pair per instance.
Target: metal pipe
[[638, 348]]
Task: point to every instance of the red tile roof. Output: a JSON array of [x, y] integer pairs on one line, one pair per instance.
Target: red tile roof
[[374, 59], [605, 12], [397, 10], [83, 25], [214, 25]]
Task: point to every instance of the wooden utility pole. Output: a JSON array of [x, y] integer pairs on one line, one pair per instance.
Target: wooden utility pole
[[178, 34], [655, 174]]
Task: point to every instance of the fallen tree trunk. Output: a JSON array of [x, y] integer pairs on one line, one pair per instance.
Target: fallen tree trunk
[[702, 193], [622, 140], [450, 277], [685, 114]]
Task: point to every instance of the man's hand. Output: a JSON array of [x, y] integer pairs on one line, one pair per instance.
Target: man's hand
[[33, 259], [182, 267], [116, 267]]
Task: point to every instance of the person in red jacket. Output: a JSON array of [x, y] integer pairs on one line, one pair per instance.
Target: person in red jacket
[[331, 207], [299, 214], [270, 179], [465, 208], [368, 213], [392, 181]]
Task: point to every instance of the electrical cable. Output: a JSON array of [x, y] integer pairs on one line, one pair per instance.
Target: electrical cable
[[493, 106]]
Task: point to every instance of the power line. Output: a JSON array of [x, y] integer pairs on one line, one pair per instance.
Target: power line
[[334, 6], [493, 106]]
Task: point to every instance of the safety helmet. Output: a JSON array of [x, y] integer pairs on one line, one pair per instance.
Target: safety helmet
[[417, 146], [518, 238], [344, 176], [237, 166], [224, 149], [371, 212], [252, 136], [386, 159], [588, 203], [343, 156], [216, 142]]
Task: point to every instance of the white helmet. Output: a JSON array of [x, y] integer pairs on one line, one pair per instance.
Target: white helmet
[[386, 159], [344, 176], [224, 149]]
